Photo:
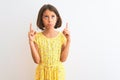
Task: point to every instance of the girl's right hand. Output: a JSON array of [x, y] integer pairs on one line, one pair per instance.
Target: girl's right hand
[[31, 33]]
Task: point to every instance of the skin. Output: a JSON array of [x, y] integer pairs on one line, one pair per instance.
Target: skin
[[49, 20]]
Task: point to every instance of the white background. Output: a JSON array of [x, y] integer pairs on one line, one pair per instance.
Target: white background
[[95, 33]]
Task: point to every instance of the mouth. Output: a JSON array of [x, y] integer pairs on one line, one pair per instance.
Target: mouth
[[50, 24]]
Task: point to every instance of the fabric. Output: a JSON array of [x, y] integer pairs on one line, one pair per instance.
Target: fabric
[[50, 66]]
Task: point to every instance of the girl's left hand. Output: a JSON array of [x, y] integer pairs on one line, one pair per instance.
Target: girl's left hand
[[66, 32]]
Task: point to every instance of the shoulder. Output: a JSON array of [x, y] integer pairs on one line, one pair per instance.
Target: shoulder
[[38, 34], [37, 37], [61, 34]]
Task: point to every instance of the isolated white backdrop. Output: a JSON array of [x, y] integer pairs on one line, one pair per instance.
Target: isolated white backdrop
[[95, 33]]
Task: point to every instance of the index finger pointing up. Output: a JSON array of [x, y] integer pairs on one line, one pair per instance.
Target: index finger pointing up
[[31, 27], [66, 26]]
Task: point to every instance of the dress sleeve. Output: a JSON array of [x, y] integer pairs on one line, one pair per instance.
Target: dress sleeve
[[36, 38], [63, 38]]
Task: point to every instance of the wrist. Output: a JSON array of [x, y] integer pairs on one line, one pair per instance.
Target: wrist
[[31, 41], [68, 40]]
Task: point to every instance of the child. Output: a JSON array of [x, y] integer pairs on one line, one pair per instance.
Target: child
[[49, 48]]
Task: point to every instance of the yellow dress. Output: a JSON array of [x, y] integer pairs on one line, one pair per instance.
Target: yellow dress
[[50, 66]]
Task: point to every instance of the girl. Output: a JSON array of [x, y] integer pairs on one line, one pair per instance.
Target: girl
[[49, 48]]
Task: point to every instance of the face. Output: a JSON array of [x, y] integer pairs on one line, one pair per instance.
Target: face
[[49, 19]]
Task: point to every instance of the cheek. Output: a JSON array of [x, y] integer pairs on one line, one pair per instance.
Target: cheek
[[44, 21], [55, 21]]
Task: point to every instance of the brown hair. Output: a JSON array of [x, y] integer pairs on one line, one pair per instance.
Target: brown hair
[[40, 24]]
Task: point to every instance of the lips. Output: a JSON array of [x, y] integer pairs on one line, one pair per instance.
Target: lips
[[50, 24]]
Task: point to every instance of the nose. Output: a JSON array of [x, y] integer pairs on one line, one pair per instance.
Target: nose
[[50, 19]]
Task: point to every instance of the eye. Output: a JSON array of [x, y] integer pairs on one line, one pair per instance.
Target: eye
[[45, 16], [53, 16]]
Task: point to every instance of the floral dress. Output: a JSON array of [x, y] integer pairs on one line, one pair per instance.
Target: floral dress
[[50, 66]]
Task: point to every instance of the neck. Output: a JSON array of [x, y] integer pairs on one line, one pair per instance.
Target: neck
[[50, 31]]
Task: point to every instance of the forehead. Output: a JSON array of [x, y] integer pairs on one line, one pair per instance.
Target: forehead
[[48, 12]]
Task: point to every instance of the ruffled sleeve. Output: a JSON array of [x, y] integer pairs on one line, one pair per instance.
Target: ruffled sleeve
[[63, 38], [36, 38]]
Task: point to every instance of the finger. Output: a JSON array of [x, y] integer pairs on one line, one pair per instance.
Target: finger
[[31, 27], [66, 25], [66, 28]]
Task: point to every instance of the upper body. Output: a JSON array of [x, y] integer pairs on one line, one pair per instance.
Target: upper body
[[49, 49], [48, 20]]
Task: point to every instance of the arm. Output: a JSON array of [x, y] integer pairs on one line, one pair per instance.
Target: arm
[[65, 46], [33, 45], [34, 52], [65, 51]]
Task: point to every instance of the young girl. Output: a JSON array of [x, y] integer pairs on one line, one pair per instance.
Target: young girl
[[49, 48]]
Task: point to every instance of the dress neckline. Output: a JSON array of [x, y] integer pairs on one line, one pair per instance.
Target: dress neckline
[[49, 37]]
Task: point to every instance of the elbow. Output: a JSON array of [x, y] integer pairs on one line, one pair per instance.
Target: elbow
[[63, 60], [37, 61]]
